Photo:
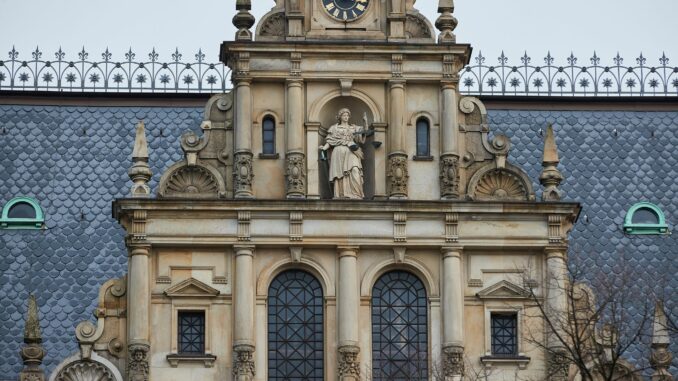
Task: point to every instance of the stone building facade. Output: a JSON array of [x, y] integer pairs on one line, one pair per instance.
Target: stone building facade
[[244, 263]]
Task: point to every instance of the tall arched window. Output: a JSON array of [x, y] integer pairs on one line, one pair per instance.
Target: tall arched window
[[268, 136], [399, 328], [423, 138], [295, 327]]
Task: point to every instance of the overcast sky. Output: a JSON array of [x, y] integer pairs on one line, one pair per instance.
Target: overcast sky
[[581, 26]]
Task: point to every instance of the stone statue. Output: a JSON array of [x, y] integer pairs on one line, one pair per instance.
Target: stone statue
[[346, 168]]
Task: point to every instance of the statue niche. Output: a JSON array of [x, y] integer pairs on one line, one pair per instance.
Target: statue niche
[[345, 168]]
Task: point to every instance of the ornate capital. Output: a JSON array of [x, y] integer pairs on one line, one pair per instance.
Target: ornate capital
[[397, 175], [242, 175], [243, 361], [449, 177], [137, 362], [349, 366], [295, 173], [453, 361]]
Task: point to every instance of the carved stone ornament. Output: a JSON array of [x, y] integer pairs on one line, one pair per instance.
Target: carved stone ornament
[[243, 175], [295, 173], [397, 175], [449, 177], [499, 185], [85, 371], [348, 362], [558, 366], [453, 364], [194, 181], [273, 25], [416, 26], [243, 361], [137, 362]]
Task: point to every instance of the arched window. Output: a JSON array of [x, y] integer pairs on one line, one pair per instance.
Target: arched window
[[645, 218], [268, 135], [399, 328], [22, 213], [423, 138], [295, 327]]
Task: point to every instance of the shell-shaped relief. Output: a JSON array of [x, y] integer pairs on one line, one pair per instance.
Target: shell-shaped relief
[[499, 184], [85, 371], [191, 181], [417, 27], [273, 25]]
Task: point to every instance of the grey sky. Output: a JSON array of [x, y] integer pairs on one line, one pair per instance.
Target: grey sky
[[581, 26]]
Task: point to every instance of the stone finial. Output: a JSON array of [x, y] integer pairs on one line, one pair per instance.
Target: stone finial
[[446, 23], [32, 353], [661, 356], [140, 172], [243, 20], [550, 177]]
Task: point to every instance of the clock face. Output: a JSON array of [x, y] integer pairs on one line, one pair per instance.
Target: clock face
[[345, 10]]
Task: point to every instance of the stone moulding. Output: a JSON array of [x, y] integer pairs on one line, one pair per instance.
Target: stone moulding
[[191, 181]]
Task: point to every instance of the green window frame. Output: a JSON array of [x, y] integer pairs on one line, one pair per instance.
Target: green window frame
[[7, 222], [639, 228]]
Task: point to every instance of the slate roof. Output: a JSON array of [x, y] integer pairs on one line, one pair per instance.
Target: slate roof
[[74, 160]]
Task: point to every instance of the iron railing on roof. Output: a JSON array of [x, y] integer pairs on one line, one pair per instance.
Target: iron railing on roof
[[183, 76]]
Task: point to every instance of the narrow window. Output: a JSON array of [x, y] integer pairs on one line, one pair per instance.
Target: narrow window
[[268, 137], [504, 334], [423, 132], [192, 332]]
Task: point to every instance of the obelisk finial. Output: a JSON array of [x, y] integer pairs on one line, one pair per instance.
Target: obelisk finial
[[243, 20], [446, 23], [32, 353], [140, 172], [550, 177], [661, 356]]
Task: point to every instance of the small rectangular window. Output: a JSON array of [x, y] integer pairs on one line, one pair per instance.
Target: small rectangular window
[[268, 136], [423, 149], [504, 334], [192, 332]]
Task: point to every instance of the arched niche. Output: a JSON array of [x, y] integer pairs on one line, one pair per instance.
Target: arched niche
[[327, 116]]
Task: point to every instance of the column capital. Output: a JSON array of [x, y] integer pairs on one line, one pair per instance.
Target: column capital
[[449, 85], [138, 249], [244, 250], [556, 252], [451, 251], [397, 83], [294, 82], [348, 251]]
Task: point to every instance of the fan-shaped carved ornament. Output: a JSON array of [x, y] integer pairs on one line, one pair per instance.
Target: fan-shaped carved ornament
[[193, 181], [273, 25], [416, 26], [85, 371], [500, 184]]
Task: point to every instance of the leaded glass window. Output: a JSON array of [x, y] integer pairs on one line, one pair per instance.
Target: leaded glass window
[[399, 328], [423, 139], [192, 332], [504, 334], [268, 138], [295, 327]]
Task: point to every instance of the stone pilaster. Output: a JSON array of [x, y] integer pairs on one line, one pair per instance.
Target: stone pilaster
[[397, 173], [294, 126], [32, 353], [556, 307], [243, 313], [449, 157], [453, 313], [242, 168], [138, 313], [348, 303]]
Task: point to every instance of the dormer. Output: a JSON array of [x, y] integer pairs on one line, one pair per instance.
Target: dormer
[[361, 20]]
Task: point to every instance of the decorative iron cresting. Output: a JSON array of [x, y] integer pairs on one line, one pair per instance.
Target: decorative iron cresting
[[571, 77]]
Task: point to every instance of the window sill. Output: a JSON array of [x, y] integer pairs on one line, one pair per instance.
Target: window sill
[[269, 156], [422, 158], [519, 360], [176, 358]]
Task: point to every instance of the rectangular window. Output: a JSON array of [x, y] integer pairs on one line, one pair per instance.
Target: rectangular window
[[504, 334], [192, 332]]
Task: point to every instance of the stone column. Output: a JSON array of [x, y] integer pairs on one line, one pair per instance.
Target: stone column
[[348, 303], [243, 314], [449, 154], [453, 314], [397, 159], [138, 310], [556, 307], [243, 139], [295, 172]]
